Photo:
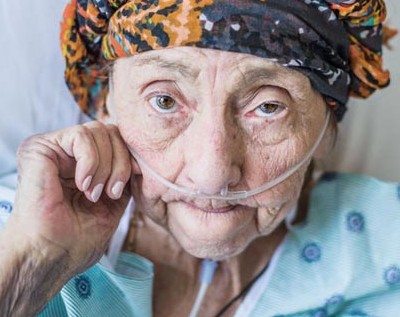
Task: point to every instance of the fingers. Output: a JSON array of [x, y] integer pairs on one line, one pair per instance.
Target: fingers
[[79, 143], [121, 167], [93, 184], [102, 160]]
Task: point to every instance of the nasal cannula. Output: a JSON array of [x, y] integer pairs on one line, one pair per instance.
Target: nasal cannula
[[225, 194], [207, 271], [208, 267]]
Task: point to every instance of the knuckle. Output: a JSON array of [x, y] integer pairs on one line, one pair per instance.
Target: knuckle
[[99, 131], [95, 125], [36, 147], [24, 145], [121, 174], [122, 171], [124, 177], [115, 135], [28, 145], [29, 141], [112, 129], [81, 131]]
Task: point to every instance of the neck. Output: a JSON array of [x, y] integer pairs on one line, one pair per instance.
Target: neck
[[243, 267], [177, 272]]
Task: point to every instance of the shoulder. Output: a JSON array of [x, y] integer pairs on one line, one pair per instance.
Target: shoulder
[[357, 216], [343, 189], [354, 205], [346, 253]]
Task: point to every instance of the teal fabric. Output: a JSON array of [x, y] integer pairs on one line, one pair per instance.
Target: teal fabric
[[100, 292], [344, 261]]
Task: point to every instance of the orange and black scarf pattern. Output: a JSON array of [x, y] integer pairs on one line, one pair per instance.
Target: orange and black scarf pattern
[[335, 43]]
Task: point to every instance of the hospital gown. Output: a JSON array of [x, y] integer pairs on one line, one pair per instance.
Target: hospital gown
[[343, 260]]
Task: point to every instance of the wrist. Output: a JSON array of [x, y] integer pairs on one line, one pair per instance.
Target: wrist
[[32, 270]]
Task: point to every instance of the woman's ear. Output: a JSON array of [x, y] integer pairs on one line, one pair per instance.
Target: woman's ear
[[111, 118], [110, 104]]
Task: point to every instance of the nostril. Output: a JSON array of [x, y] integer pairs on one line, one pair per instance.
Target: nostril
[[222, 192]]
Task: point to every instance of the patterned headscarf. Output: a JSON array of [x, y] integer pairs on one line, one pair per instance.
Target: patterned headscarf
[[335, 43]]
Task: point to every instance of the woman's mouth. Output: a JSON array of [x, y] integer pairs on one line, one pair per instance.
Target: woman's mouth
[[213, 210]]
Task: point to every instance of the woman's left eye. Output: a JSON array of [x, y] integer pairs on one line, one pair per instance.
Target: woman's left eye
[[268, 109], [163, 103]]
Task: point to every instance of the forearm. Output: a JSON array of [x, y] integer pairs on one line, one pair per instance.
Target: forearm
[[28, 278]]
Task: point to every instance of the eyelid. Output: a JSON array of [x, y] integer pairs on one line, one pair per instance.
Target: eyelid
[[156, 93], [274, 95], [260, 96], [161, 85]]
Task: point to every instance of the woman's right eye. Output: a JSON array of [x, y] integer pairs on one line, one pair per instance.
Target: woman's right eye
[[163, 103], [269, 109]]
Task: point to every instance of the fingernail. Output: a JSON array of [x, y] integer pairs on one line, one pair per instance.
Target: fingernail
[[86, 183], [96, 193], [117, 189]]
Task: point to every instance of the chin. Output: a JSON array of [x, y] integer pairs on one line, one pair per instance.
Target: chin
[[215, 236], [217, 252]]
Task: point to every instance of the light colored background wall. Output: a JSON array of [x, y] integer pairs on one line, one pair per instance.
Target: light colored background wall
[[33, 94], [369, 136]]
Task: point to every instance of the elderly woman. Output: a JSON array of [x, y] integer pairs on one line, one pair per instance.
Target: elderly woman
[[210, 114]]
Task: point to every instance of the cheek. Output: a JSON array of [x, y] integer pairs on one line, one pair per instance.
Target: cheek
[[285, 195], [147, 190], [265, 163], [142, 137], [273, 149], [147, 194], [157, 142], [286, 192]]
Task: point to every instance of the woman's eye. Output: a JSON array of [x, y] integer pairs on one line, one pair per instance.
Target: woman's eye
[[163, 103], [268, 109]]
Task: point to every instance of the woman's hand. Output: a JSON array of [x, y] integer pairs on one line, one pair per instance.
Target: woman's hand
[[70, 197], [70, 194]]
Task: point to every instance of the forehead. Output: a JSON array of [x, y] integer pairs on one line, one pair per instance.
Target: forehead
[[190, 63]]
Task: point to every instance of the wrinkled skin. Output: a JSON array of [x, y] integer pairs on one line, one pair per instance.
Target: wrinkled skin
[[70, 198], [199, 118], [57, 204]]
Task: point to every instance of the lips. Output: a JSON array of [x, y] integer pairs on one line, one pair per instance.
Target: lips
[[209, 209]]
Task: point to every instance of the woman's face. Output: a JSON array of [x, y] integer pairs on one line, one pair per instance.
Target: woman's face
[[206, 119]]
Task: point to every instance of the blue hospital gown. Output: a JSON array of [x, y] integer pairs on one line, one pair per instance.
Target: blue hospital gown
[[344, 260]]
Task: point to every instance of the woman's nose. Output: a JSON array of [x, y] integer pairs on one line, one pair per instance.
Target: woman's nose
[[213, 156]]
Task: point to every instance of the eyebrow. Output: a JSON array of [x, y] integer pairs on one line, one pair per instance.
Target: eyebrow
[[250, 75], [258, 73], [170, 65], [278, 77]]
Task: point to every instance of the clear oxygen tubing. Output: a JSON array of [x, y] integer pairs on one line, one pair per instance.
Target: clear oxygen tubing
[[207, 271], [225, 194]]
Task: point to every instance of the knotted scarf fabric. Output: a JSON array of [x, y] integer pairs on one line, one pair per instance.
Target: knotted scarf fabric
[[335, 43]]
